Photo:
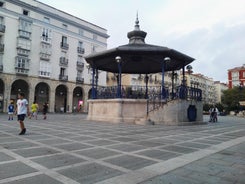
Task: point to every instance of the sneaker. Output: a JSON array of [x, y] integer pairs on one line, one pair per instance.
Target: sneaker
[[22, 131]]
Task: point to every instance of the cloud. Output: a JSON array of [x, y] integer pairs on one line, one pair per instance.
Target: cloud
[[216, 49], [211, 31]]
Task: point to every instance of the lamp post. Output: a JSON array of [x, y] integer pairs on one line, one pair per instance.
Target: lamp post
[[166, 59], [93, 82], [88, 66], [146, 86], [189, 69], [119, 63]]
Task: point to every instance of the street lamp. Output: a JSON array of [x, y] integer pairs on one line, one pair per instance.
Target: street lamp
[[88, 66], [166, 59], [119, 63], [189, 69]]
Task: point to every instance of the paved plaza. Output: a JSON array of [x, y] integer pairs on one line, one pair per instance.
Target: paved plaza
[[66, 148]]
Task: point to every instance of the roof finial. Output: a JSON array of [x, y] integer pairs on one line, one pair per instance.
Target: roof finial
[[137, 26], [136, 36]]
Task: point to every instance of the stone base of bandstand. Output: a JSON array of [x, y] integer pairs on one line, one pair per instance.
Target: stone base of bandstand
[[117, 110], [134, 111], [176, 113]]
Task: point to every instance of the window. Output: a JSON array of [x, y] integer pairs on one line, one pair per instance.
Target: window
[[46, 35], [79, 74], [64, 44], [64, 39], [46, 20], [46, 48], [81, 32], [243, 74], [25, 12], [80, 48], [24, 43], [1, 21], [235, 75], [64, 26], [46, 32], [95, 37], [45, 69], [22, 65], [1, 59], [63, 54], [80, 59], [80, 44], [62, 71], [25, 25], [93, 48]]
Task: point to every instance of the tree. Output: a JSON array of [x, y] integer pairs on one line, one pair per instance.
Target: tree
[[206, 107], [231, 98]]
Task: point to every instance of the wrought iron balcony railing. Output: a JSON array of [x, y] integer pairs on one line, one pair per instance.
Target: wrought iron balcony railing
[[2, 28], [80, 50], [63, 77], [63, 61], [1, 47], [64, 45], [80, 80]]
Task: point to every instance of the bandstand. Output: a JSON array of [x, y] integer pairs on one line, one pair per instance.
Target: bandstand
[[142, 105]]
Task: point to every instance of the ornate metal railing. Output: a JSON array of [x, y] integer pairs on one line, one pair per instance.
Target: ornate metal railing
[[154, 96], [154, 93], [155, 100], [133, 92]]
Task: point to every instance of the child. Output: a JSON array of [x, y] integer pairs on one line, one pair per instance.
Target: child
[[21, 111], [11, 110], [34, 109]]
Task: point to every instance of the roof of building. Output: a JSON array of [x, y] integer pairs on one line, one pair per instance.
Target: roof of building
[[238, 68]]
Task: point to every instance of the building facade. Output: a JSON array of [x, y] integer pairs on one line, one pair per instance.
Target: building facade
[[204, 83], [42, 53], [219, 88], [236, 76]]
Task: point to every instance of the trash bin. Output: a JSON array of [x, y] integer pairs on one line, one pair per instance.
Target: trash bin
[[192, 113]]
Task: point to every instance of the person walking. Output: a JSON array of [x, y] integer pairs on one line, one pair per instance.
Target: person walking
[[34, 110], [22, 110], [45, 110], [11, 111]]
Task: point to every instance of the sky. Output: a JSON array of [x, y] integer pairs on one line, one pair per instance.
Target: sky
[[211, 31]]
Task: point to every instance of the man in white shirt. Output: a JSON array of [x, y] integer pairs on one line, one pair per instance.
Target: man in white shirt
[[22, 110]]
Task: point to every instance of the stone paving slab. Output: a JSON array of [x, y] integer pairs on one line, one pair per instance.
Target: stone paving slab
[[38, 179], [66, 148]]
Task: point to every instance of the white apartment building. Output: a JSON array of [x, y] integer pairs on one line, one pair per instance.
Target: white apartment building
[[42, 53], [219, 88], [204, 83]]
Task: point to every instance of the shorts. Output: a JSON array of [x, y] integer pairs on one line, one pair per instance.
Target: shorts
[[21, 117], [10, 113]]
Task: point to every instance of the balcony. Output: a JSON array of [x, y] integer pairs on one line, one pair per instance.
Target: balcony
[[80, 50], [64, 45], [23, 52], [80, 80], [24, 34], [45, 56], [44, 74], [2, 28], [1, 47], [80, 65], [1, 68], [63, 77], [21, 70], [46, 39], [63, 61]]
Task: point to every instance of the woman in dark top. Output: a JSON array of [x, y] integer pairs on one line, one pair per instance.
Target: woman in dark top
[[45, 110]]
